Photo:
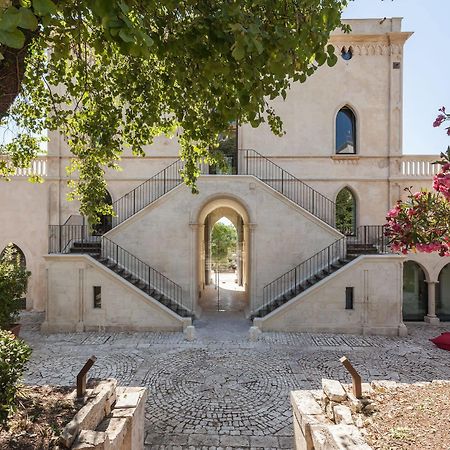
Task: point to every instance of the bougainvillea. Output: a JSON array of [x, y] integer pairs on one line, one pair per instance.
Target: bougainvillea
[[422, 222]]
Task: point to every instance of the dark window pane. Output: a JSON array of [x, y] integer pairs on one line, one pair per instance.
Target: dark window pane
[[346, 54], [345, 131], [349, 293]]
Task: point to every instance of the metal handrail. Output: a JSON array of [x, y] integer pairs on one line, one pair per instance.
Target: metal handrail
[[147, 192], [366, 239], [290, 186], [77, 239], [152, 278]]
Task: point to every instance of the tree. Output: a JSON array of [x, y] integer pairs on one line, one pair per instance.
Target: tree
[[13, 284], [223, 242], [111, 74], [345, 211], [422, 222]]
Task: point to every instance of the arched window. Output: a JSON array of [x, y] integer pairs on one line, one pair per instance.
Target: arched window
[[346, 54], [345, 131], [443, 294], [16, 252], [415, 292], [346, 212]]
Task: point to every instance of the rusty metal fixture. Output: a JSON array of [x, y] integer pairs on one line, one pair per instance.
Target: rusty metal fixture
[[81, 377], [356, 378]]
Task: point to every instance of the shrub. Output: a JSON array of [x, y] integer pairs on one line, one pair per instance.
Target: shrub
[[13, 284], [14, 354]]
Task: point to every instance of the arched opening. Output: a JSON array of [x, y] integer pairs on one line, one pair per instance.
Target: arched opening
[[105, 223], [346, 212], [224, 268], [415, 292], [443, 295], [16, 252], [345, 131]]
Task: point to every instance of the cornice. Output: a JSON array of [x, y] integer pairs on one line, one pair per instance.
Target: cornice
[[372, 44]]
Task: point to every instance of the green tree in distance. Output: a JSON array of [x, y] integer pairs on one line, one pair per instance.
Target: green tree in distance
[[345, 211], [113, 74], [223, 242]]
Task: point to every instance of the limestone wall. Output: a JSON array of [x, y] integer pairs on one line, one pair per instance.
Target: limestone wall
[[70, 302], [167, 235], [377, 308]]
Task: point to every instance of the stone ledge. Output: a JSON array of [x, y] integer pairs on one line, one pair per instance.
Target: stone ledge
[[111, 419], [331, 419]]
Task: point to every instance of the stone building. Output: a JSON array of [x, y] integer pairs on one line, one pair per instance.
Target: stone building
[[301, 266]]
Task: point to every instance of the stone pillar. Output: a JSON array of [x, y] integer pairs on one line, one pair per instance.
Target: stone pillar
[[431, 316]]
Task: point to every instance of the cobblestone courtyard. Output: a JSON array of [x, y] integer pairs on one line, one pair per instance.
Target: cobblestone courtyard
[[222, 390]]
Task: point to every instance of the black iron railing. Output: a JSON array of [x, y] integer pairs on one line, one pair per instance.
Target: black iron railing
[[367, 239], [150, 279], [77, 239], [62, 238], [147, 192], [296, 279], [287, 184]]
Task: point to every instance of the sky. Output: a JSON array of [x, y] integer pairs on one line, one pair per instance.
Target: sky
[[426, 66]]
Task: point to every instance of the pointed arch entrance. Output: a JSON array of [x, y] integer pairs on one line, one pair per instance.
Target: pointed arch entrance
[[223, 280]]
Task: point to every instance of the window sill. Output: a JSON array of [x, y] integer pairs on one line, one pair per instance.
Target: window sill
[[348, 157]]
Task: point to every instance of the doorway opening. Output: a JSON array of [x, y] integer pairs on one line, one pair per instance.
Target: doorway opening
[[415, 292], [223, 263]]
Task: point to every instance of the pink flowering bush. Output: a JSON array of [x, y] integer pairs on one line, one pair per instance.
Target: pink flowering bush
[[422, 223]]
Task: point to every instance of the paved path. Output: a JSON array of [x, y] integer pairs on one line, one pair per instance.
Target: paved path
[[223, 391]]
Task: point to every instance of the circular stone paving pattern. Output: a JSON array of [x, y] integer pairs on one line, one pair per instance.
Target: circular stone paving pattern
[[203, 391]]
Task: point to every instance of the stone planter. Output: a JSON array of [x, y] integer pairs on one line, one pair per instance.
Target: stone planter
[[323, 419], [111, 419]]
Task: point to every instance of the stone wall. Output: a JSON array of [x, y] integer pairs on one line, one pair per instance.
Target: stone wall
[[112, 418]]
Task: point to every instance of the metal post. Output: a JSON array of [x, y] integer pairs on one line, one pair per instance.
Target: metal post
[[356, 378], [81, 377]]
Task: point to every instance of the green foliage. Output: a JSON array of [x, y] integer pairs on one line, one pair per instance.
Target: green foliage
[[13, 284], [345, 211], [223, 242], [14, 354], [127, 71]]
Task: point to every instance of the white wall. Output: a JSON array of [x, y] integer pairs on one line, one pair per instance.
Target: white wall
[[378, 285], [164, 235], [70, 304]]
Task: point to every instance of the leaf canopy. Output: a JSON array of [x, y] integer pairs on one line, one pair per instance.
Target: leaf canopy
[[111, 74]]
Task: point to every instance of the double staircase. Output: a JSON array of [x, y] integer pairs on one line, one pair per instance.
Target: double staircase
[[79, 239]]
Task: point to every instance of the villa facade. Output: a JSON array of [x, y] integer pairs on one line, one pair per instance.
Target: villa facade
[[302, 269]]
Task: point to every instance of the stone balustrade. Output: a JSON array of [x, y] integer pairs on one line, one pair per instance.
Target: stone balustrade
[[415, 166], [38, 167]]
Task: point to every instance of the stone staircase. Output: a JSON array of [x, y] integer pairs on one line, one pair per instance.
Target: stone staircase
[[367, 240], [105, 252]]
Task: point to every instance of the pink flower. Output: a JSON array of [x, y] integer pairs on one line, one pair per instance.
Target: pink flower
[[439, 119], [393, 212], [442, 109]]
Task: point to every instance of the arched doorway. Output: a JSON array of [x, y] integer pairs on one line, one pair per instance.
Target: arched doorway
[[105, 223], [346, 212], [223, 257], [16, 252], [415, 292], [443, 295]]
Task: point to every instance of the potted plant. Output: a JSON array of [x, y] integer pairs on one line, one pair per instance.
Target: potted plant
[[13, 284]]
